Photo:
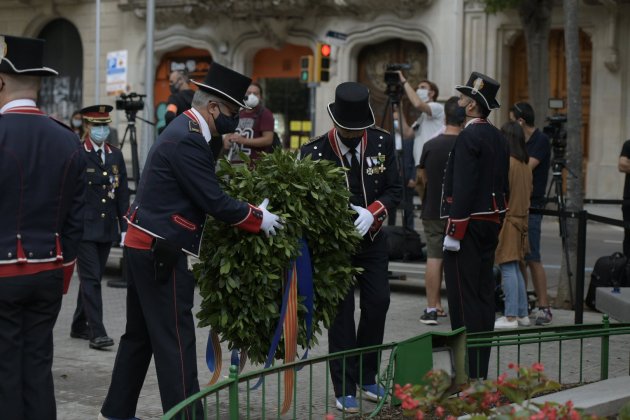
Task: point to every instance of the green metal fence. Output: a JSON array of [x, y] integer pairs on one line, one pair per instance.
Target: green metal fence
[[573, 354]]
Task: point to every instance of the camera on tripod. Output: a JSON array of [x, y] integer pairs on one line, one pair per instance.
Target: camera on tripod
[[556, 131], [392, 79], [130, 102]]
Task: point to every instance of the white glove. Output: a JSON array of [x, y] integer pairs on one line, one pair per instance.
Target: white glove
[[451, 244], [122, 239], [270, 221], [364, 221]]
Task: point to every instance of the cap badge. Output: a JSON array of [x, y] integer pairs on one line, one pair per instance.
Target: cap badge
[[477, 85], [101, 109], [3, 48]]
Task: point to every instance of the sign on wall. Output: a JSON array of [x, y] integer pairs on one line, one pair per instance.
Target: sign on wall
[[116, 72]]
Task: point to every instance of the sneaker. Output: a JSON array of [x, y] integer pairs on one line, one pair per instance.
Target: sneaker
[[347, 404], [505, 324], [429, 318], [523, 321], [374, 392], [543, 316]]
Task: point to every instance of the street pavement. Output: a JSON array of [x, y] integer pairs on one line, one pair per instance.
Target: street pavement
[[82, 375]]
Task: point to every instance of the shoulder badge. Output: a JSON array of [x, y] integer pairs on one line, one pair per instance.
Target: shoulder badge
[[193, 127]]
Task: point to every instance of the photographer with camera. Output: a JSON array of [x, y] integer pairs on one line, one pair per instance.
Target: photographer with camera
[[539, 151], [431, 121], [181, 95]]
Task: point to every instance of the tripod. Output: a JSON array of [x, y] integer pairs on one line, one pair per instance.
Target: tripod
[[556, 171], [394, 93]]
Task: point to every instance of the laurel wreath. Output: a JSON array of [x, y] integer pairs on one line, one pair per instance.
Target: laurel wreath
[[241, 275]]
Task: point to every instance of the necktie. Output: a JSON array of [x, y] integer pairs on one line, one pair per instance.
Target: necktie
[[99, 153], [354, 175]]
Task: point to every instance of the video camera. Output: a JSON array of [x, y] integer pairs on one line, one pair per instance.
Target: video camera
[[391, 77], [556, 130], [130, 102]]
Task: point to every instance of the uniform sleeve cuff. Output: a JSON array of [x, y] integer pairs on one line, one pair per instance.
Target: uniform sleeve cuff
[[456, 228], [251, 222], [379, 211], [68, 269]]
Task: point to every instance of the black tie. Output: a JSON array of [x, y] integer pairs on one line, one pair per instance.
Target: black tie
[[99, 153], [354, 175]]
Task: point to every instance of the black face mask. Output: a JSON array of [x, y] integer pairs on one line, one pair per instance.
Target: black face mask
[[350, 142], [225, 124]]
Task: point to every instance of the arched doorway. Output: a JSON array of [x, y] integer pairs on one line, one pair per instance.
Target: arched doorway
[[60, 96], [373, 60], [194, 60], [557, 76], [278, 73]]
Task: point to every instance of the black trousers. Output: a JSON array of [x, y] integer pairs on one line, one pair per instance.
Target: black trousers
[[470, 288], [29, 306], [88, 316], [159, 324], [374, 302]]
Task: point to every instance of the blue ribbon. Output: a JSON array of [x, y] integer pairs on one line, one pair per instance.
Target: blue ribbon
[[305, 289], [210, 356]]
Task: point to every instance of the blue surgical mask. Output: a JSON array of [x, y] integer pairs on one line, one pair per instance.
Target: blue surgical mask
[[99, 133]]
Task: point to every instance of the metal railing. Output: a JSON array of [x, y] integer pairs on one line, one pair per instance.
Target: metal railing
[[577, 354]]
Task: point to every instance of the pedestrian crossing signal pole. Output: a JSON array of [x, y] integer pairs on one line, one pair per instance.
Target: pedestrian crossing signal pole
[[322, 62]]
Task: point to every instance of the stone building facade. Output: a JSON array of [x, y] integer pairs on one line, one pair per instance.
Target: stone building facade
[[443, 40]]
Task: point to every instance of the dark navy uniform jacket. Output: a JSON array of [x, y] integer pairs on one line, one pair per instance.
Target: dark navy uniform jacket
[[178, 188], [476, 181], [107, 194], [381, 182], [42, 183]]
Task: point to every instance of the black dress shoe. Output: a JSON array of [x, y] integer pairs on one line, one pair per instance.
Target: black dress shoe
[[80, 334], [99, 343]]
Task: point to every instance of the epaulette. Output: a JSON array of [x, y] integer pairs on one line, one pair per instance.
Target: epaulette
[[193, 127], [61, 123], [376, 127]]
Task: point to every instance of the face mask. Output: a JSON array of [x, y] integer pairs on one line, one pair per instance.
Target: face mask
[[225, 124], [252, 100], [173, 89], [460, 114], [350, 142], [395, 124], [423, 94], [99, 133], [77, 123]]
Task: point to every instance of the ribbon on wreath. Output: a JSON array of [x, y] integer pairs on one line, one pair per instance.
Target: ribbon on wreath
[[213, 357], [299, 282]]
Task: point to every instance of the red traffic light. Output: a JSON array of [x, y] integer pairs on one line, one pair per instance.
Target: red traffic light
[[324, 50]]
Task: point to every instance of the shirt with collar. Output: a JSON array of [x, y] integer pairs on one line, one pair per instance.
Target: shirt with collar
[[16, 103], [205, 129], [97, 149], [345, 150]]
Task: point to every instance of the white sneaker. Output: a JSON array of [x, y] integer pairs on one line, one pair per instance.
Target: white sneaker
[[504, 324], [523, 321]]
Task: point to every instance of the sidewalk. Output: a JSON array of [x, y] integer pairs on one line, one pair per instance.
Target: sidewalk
[[82, 375]]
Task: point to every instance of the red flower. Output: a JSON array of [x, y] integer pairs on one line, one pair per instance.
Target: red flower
[[538, 367], [512, 366], [439, 411], [419, 415]]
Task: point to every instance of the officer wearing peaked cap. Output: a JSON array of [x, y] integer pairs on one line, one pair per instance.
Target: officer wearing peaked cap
[[374, 183], [178, 188], [106, 201], [474, 200], [42, 180]]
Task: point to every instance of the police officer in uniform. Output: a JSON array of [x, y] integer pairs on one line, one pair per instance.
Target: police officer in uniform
[[178, 188], [474, 199], [373, 181], [42, 179], [107, 200]]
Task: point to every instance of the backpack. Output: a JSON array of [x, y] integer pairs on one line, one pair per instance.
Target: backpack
[[609, 271], [403, 244]]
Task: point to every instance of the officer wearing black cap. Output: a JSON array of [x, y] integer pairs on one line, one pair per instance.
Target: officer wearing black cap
[[373, 181], [474, 200], [42, 179], [178, 189], [106, 201]]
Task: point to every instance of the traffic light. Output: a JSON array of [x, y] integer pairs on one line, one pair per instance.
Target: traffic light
[[323, 62], [306, 69]]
